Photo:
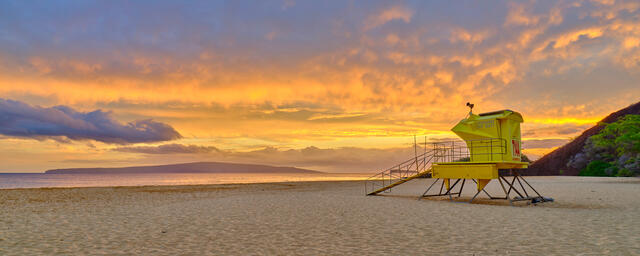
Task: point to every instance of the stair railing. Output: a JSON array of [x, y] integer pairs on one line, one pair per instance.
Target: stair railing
[[398, 172]]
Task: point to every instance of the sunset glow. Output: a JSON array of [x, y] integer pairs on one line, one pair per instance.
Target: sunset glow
[[331, 86]]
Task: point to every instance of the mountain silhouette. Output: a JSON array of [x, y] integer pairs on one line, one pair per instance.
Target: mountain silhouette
[[198, 167]]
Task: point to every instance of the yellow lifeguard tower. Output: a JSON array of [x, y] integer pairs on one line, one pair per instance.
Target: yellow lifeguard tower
[[490, 150]]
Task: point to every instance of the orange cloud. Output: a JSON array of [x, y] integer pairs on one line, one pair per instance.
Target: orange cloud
[[393, 13], [564, 40], [463, 35], [631, 42], [518, 16]]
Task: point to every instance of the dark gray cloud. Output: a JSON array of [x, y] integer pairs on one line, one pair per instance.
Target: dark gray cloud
[[346, 159], [173, 148], [543, 143], [556, 130], [18, 119]]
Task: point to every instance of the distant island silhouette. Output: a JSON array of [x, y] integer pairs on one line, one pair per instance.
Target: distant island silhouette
[[198, 167]]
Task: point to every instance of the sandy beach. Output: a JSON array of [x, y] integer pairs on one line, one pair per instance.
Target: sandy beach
[[591, 216]]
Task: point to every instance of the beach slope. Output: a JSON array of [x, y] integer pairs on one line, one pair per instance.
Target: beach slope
[[594, 216]]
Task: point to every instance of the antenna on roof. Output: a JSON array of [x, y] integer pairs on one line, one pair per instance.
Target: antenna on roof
[[470, 108]]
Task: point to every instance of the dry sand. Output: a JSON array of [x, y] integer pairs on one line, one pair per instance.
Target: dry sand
[[591, 216]]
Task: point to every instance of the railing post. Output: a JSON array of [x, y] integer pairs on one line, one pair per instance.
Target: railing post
[[491, 145], [453, 147], [470, 151]]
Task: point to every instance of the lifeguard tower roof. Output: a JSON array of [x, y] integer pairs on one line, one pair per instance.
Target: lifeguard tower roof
[[492, 136], [500, 112]]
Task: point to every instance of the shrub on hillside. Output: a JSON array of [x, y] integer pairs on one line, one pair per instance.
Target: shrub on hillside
[[617, 145], [596, 168]]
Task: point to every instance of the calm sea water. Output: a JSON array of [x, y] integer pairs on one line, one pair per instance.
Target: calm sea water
[[40, 180]]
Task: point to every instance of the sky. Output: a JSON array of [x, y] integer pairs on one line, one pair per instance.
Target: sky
[[337, 86]]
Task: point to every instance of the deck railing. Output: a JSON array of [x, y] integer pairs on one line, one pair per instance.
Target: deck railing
[[439, 152]]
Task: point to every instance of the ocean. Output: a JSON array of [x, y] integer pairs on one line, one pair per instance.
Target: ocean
[[41, 180]]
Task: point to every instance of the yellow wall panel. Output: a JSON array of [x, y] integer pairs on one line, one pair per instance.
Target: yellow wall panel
[[465, 171]]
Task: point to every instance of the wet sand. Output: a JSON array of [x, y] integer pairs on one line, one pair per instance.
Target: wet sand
[[591, 216]]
